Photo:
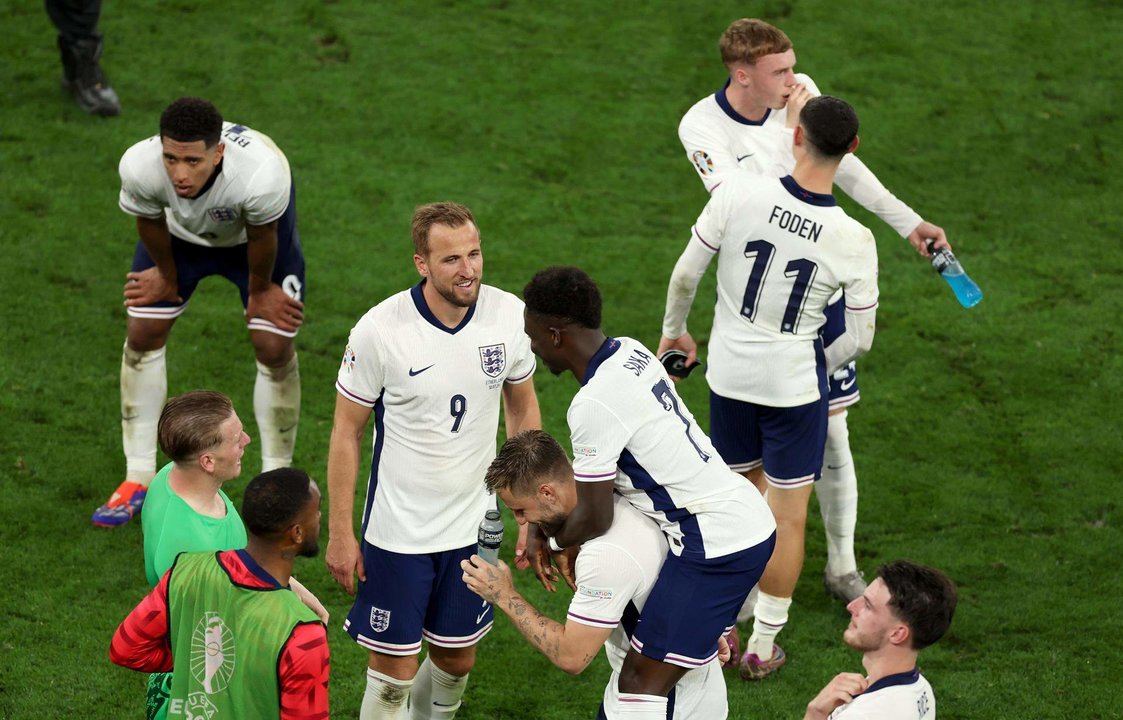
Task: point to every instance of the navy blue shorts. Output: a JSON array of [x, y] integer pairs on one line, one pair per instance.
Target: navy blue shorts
[[195, 262], [408, 597], [843, 384], [694, 602]]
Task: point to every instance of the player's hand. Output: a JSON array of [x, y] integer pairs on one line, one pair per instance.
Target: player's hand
[[838, 691], [924, 232], [490, 582], [345, 561], [724, 652], [538, 556], [521, 563], [150, 286], [274, 304], [685, 343], [798, 97], [566, 562], [310, 601]]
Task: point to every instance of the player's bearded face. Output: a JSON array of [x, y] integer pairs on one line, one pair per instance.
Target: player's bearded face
[[871, 620], [455, 263]]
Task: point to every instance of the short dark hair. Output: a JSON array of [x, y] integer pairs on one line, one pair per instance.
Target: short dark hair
[[830, 125], [923, 597], [567, 293], [273, 500], [523, 461], [190, 424], [190, 119], [450, 214]]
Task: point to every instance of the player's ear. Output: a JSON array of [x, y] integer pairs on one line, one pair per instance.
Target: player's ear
[[900, 635], [219, 150], [421, 265], [206, 462], [797, 135], [854, 145]]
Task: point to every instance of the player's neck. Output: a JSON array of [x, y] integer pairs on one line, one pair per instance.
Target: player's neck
[[814, 176], [888, 661], [272, 559], [448, 314], [743, 102], [586, 343], [199, 490]]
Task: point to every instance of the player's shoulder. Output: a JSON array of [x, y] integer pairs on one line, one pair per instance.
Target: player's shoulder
[[501, 298], [389, 313], [143, 159], [701, 114]]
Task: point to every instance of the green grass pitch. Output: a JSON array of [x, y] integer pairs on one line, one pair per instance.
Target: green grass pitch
[[987, 441]]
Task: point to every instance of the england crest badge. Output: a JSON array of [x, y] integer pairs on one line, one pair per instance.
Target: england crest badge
[[493, 359], [379, 619]]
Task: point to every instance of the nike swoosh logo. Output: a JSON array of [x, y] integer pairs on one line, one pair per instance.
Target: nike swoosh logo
[[480, 617], [286, 429], [742, 157], [413, 372], [847, 384]]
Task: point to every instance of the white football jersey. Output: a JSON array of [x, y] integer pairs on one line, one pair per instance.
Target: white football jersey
[[436, 394], [782, 253], [615, 573], [252, 188], [719, 140], [905, 696], [628, 424]]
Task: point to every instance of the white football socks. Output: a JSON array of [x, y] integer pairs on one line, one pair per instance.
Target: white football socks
[[837, 491], [770, 617], [385, 697], [436, 694], [276, 406], [144, 388]]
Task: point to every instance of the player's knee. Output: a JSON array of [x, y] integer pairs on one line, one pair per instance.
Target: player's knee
[[144, 336], [399, 667], [272, 350], [838, 434], [454, 661]]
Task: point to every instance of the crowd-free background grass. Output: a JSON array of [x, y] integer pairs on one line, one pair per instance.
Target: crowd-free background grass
[[986, 442]]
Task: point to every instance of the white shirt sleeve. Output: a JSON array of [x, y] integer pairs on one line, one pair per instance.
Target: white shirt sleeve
[[361, 376], [859, 182], [137, 197], [268, 193], [524, 362], [598, 438], [607, 580], [707, 149], [860, 285], [688, 272]]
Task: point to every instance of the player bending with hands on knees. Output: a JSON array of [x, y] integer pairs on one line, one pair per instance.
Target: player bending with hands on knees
[[431, 363], [241, 645], [748, 125], [615, 574], [906, 609], [784, 248], [633, 435], [210, 198]]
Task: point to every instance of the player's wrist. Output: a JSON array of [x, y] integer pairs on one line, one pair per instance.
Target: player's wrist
[[553, 543]]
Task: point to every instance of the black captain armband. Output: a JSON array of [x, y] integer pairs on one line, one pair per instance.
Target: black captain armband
[[674, 362]]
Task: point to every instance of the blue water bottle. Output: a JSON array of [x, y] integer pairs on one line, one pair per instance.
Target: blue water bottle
[[965, 289]]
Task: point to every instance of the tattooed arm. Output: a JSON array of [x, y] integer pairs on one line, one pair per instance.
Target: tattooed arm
[[571, 646]]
